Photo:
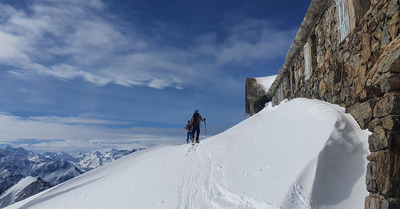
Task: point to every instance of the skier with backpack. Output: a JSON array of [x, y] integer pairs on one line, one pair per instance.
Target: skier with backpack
[[196, 119], [188, 129]]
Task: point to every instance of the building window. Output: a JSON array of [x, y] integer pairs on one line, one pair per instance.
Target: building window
[[307, 64], [280, 94], [342, 8]]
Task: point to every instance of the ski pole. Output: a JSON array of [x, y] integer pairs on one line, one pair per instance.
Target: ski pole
[[205, 126]]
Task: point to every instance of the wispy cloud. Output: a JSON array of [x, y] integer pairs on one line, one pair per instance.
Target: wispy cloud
[[79, 39], [12, 49], [75, 120], [247, 41], [77, 133]]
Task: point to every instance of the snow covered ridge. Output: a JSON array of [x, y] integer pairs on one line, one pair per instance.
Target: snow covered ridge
[[19, 165], [301, 154], [26, 187]]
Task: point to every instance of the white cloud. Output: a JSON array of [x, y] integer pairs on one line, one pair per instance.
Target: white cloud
[[73, 39], [159, 83], [68, 146], [12, 49], [248, 41], [65, 72], [76, 120], [54, 132], [15, 128], [91, 47], [91, 42]]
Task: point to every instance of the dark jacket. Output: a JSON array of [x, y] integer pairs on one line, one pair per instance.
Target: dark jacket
[[196, 119]]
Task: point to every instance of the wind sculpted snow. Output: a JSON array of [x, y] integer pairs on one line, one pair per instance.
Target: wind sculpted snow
[[300, 154]]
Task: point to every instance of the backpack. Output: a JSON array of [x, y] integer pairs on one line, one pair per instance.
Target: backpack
[[195, 119]]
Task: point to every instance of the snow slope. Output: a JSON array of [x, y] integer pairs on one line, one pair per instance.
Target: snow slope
[[18, 166], [12, 194], [301, 154], [26, 187]]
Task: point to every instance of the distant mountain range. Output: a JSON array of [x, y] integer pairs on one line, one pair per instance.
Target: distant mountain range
[[24, 173]]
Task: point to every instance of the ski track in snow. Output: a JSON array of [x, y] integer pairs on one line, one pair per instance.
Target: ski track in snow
[[203, 188], [296, 197]]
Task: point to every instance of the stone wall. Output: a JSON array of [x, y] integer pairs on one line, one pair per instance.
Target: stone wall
[[361, 72], [255, 96]]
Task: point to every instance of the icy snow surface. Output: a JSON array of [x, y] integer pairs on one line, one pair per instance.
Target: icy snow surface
[[301, 154]]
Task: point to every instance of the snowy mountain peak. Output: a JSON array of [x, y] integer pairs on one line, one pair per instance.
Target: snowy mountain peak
[[8, 150], [18, 166], [26, 187], [97, 158]]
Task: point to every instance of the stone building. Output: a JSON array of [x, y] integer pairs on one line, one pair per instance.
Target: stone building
[[347, 52]]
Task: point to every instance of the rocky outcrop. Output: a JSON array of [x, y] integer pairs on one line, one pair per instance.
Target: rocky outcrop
[[255, 96]]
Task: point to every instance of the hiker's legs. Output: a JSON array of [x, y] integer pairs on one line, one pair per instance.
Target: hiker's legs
[[192, 134], [188, 135], [196, 130], [197, 135]]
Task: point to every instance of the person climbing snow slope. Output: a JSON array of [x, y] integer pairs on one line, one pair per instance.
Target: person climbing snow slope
[[196, 119], [188, 129]]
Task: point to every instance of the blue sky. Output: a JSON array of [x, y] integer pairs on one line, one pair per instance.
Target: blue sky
[[80, 75]]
